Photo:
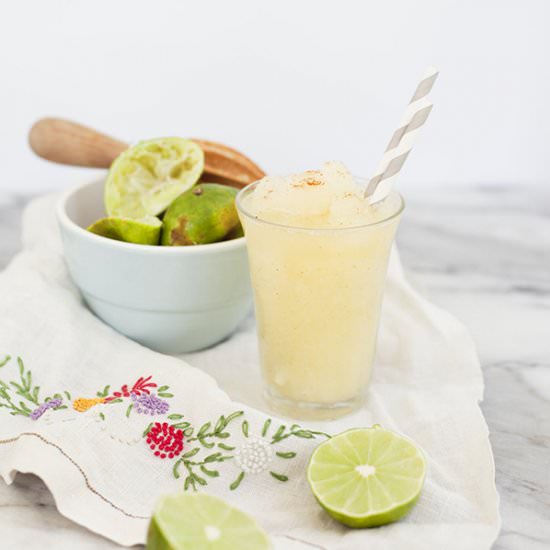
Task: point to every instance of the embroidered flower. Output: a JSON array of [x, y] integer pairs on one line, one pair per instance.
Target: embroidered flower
[[165, 440], [142, 385], [254, 455], [149, 404], [41, 409], [82, 404]]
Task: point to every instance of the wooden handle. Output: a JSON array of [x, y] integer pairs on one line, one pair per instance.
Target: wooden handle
[[67, 142]]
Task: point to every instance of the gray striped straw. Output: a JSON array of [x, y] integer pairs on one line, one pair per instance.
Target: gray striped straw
[[402, 140]]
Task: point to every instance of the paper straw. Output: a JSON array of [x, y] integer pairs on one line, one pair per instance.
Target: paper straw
[[403, 139]]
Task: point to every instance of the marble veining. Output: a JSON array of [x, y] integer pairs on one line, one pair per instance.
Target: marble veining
[[481, 252]]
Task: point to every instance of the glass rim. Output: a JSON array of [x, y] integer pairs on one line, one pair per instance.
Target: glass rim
[[248, 188]]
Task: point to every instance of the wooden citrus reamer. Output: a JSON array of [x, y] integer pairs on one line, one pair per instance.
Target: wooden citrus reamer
[[67, 142]]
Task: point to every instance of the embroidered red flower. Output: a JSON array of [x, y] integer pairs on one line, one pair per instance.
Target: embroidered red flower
[[165, 440], [142, 385]]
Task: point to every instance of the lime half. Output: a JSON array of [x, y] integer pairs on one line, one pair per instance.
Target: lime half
[[196, 521], [140, 231], [367, 476], [147, 177]]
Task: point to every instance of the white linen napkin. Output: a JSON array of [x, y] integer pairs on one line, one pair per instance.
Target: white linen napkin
[[88, 446]]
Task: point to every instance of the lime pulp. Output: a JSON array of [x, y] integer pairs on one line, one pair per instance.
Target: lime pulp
[[366, 477], [197, 521], [147, 177]]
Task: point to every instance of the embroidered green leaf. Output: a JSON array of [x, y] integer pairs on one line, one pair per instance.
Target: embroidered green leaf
[[146, 431], [24, 407], [5, 361], [188, 432], [163, 394], [294, 427], [207, 444], [60, 407], [175, 416], [175, 468], [220, 424], [237, 482], [57, 396], [267, 423], [35, 393], [211, 473], [198, 479], [204, 429], [129, 410], [186, 483], [105, 391], [21, 366], [224, 458], [224, 435], [191, 453], [226, 447], [280, 477], [163, 388], [328, 436], [213, 457], [117, 400], [102, 416], [289, 454], [279, 433], [303, 433], [67, 394], [232, 416], [181, 425], [244, 427]]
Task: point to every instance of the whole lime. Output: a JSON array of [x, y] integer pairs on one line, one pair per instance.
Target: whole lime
[[204, 214]]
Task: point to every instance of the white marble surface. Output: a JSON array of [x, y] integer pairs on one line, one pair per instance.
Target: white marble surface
[[481, 252]]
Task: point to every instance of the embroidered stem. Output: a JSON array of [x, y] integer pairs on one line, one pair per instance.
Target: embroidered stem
[[295, 431], [206, 433], [192, 478], [25, 388], [9, 404]]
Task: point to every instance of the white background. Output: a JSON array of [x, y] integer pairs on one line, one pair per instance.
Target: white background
[[291, 83]]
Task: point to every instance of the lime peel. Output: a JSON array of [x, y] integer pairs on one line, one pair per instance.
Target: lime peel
[[138, 231]]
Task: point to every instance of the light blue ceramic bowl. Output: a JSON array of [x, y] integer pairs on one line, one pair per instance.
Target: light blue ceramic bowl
[[171, 299]]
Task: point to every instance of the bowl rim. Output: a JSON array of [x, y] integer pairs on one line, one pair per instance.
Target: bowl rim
[[70, 225]]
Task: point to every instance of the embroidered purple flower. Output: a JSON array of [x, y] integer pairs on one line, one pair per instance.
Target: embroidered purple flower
[[41, 409], [149, 404]]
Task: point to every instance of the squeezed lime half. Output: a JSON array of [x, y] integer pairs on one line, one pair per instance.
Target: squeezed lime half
[[367, 476], [140, 231], [196, 521], [146, 178]]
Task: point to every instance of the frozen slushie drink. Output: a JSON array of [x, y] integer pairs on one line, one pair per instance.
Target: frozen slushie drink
[[318, 253]]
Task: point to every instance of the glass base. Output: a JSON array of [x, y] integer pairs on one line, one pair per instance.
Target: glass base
[[303, 410]]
